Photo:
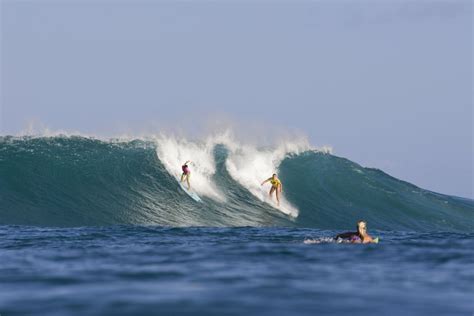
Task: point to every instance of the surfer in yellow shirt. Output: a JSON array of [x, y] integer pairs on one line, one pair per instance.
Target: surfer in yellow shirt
[[276, 187]]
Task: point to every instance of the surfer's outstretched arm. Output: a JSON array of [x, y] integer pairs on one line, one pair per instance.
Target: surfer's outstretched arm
[[266, 181]]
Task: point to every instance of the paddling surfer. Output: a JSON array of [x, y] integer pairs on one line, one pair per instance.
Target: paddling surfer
[[359, 237]]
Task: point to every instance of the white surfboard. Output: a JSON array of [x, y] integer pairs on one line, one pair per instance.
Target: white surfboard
[[191, 193], [285, 207]]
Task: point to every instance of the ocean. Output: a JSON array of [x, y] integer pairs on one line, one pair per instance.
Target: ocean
[[102, 227]]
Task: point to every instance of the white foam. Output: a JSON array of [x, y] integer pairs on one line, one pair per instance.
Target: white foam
[[321, 240], [173, 152], [251, 165]]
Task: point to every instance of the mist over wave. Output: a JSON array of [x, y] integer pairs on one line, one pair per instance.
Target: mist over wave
[[81, 181]]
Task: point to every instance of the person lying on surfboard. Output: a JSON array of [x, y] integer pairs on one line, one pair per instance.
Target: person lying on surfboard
[[186, 173], [276, 187], [359, 237]]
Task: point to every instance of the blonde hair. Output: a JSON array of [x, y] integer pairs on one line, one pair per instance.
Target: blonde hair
[[359, 224]]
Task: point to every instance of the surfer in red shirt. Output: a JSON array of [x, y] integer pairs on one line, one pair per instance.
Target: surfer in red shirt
[[186, 173]]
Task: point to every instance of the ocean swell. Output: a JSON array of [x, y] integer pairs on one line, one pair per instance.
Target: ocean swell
[[80, 181]]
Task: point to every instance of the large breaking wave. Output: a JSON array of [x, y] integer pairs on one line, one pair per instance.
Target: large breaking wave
[[80, 181]]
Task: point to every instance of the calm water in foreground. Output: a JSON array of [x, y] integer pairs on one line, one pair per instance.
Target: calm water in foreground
[[130, 270]]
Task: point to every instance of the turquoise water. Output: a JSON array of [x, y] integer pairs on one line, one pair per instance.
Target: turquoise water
[[76, 181], [94, 227]]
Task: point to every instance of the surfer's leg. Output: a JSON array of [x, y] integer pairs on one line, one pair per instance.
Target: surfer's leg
[[277, 193], [271, 192], [182, 177], [187, 180]]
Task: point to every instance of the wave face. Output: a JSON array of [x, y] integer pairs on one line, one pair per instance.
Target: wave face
[[78, 181]]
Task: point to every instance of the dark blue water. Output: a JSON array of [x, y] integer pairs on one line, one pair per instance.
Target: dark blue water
[[137, 270]]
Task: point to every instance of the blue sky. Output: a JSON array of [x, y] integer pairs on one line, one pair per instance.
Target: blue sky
[[388, 84]]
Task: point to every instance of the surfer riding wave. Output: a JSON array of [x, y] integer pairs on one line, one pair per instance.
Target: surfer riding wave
[[276, 187], [186, 173]]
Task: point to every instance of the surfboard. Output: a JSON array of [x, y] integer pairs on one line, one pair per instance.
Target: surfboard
[[284, 206], [191, 193]]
